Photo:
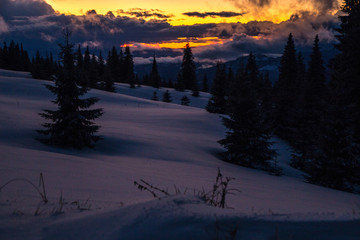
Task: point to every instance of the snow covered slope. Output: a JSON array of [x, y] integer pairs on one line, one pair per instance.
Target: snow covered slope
[[165, 144]]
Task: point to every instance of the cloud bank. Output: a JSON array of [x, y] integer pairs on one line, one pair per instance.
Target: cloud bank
[[42, 29], [14, 8]]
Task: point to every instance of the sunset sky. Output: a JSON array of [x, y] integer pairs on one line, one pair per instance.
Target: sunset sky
[[185, 11], [218, 29]]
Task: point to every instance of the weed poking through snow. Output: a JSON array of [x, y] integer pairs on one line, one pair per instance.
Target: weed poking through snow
[[215, 197]]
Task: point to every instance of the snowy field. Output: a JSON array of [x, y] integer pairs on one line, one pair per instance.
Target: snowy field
[[92, 194]]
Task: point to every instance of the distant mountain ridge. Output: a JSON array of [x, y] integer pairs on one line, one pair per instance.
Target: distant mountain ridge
[[169, 71]]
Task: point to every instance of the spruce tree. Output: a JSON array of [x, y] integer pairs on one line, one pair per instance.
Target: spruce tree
[[5, 56], [79, 58], [129, 68], [286, 92], [217, 102], [179, 84], [154, 75], [248, 137], [337, 162], [185, 101], [166, 96], [267, 100], [347, 64], [93, 72], [1, 58], [195, 90], [309, 109], [113, 64], [71, 125], [205, 84], [252, 71], [154, 96], [188, 69]]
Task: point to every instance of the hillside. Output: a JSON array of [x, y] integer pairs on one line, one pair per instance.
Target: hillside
[[92, 194]]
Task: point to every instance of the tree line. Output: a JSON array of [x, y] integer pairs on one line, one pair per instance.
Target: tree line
[[318, 118], [14, 57]]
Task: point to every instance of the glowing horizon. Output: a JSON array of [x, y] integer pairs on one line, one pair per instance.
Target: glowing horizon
[[275, 11]]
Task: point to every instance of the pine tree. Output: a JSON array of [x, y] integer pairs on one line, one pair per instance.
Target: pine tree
[[267, 100], [101, 65], [79, 58], [166, 96], [286, 92], [217, 102], [5, 56], [252, 71], [248, 137], [1, 58], [180, 85], [188, 69], [205, 84], [87, 59], [154, 75], [348, 62], [129, 68], [185, 101], [93, 72], [155, 97], [113, 64], [195, 90], [107, 84], [72, 123], [309, 109], [337, 162]]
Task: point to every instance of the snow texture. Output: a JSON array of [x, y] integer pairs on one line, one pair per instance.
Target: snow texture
[[92, 195]]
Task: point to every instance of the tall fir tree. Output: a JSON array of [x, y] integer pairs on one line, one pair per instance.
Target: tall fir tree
[[205, 84], [71, 125], [310, 108], [337, 162], [166, 97], [248, 137], [113, 64], [188, 70], [129, 68], [286, 92], [252, 71], [154, 75], [93, 72], [179, 84], [217, 102], [79, 58]]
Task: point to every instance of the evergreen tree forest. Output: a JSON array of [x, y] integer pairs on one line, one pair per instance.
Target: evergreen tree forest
[[14, 57], [318, 117]]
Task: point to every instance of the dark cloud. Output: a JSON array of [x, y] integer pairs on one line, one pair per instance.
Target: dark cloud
[[270, 38], [143, 13], [101, 32], [322, 6], [13, 8], [223, 14]]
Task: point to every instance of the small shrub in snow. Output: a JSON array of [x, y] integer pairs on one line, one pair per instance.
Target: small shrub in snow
[[185, 101], [154, 97], [166, 96], [40, 189], [216, 197]]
